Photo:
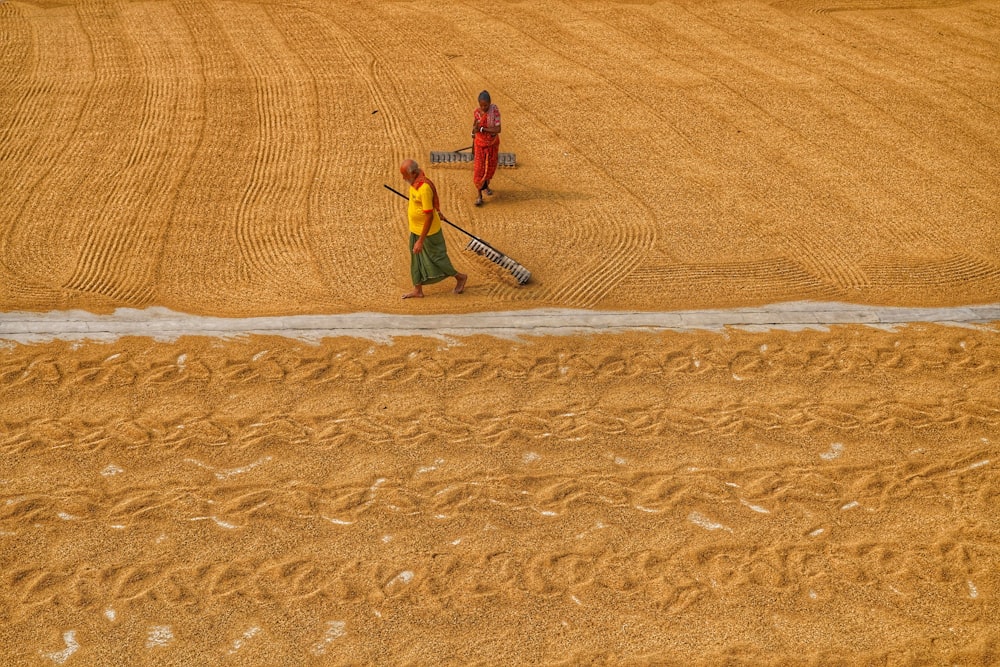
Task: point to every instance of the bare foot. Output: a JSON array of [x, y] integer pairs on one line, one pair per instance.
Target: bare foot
[[460, 279], [416, 293], [479, 201]]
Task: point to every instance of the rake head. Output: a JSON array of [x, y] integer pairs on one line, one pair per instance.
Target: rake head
[[449, 157], [521, 274]]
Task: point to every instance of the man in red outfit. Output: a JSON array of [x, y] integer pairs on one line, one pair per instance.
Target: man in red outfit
[[485, 145]]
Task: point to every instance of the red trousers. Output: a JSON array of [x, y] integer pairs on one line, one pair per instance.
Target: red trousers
[[485, 164]]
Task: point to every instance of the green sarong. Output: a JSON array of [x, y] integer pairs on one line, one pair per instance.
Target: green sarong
[[431, 265]]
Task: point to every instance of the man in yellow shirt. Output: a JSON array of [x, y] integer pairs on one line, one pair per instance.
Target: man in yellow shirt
[[429, 261]]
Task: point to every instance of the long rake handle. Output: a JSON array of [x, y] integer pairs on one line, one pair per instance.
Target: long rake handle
[[391, 189], [519, 272]]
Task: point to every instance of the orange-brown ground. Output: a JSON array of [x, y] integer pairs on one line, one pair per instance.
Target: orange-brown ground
[[226, 158], [772, 497], [703, 498]]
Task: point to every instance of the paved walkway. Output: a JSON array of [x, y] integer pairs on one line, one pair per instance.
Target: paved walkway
[[164, 324]]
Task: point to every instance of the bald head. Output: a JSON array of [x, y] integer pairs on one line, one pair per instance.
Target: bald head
[[409, 169]]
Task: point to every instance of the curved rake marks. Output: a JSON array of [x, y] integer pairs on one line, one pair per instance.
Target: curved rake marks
[[75, 170], [764, 279], [270, 226], [272, 216], [103, 242], [19, 52], [23, 92], [119, 257], [545, 28], [626, 243], [383, 81], [344, 87], [206, 199], [952, 271], [103, 263], [383, 76], [43, 145], [374, 63], [625, 250], [831, 66], [822, 258], [8, 11], [459, 90]]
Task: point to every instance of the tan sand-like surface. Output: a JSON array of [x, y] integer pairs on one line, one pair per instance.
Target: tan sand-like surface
[[813, 497], [226, 158], [802, 498]]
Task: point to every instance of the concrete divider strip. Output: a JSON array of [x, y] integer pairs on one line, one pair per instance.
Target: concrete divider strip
[[164, 324]]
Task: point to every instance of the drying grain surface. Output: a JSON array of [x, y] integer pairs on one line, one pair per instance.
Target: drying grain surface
[[227, 158], [701, 498], [813, 497]]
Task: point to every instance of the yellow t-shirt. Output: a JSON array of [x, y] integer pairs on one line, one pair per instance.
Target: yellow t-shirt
[[422, 201]]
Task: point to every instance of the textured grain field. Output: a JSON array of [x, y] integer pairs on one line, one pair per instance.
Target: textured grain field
[[823, 498], [228, 157], [813, 497]]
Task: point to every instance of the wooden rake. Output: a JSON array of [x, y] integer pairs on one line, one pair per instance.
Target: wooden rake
[[481, 247]]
